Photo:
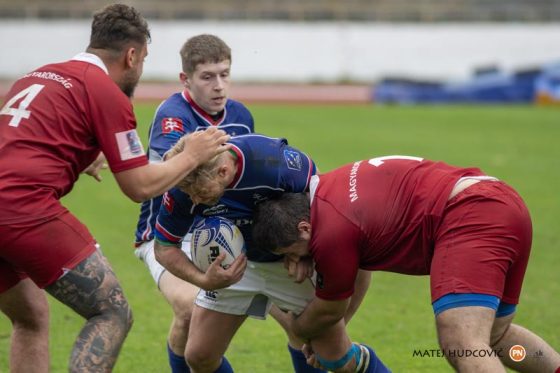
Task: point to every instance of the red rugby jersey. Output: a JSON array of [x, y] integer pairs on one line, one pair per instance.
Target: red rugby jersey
[[53, 123], [379, 214]]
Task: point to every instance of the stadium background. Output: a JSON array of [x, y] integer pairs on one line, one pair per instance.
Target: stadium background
[[303, 66]]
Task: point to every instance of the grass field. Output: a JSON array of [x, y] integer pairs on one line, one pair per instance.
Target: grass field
[[517, 144]]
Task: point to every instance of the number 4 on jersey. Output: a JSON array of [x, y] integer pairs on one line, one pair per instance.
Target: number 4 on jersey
[[21, 112]]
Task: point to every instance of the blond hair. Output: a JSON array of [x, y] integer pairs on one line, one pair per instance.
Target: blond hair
[[202, 182]]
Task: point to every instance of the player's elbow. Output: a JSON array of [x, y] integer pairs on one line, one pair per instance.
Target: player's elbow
[[137, 196], [136, 184]]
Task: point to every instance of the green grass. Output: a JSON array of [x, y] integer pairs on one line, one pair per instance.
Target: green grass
[[516, 144]]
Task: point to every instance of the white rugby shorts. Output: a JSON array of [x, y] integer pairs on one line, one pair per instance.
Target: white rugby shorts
[[261, 285]]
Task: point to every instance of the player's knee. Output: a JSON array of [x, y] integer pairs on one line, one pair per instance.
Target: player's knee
[[199, 360], [119, 312], [451, 338], [182, 309], [35, 318]]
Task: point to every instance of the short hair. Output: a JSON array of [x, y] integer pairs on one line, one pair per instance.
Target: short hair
[[202, 180], [116, 25], [275, 222], [204, 48]]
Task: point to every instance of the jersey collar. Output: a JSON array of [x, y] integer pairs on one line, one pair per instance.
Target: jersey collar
[[313, 184], [91, 58], [240, 167], [201, 113]]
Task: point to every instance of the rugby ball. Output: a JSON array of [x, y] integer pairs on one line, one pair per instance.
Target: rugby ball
[[211, 237]]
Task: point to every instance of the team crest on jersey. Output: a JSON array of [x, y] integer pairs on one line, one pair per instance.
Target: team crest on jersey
[[293, 160], [169, 125], [168, 202], [129, 145]]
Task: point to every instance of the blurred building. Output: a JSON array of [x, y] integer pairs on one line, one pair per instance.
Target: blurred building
[[304, 10]]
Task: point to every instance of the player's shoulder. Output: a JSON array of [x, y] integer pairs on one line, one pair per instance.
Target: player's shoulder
[[257, 139], [173, 105], [233, 106], [175, 110]]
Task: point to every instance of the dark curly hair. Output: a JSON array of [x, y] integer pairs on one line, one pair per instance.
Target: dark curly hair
[[117, 25], [275, 222]]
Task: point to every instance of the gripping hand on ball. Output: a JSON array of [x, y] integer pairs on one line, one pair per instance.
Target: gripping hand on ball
[[217, 277]]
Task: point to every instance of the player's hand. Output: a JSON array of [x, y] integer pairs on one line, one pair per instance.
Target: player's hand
[[96, 166], [310, 357], [204, 145], [217, 277], [299, 270]]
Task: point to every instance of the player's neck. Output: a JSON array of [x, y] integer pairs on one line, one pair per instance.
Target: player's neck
[[232, 164]]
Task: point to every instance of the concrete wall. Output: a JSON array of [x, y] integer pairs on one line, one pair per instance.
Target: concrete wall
[[305, 52]]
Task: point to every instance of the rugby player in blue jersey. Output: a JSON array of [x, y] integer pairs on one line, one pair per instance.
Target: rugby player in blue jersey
[[206, 62], [256, 169], [204, 103]]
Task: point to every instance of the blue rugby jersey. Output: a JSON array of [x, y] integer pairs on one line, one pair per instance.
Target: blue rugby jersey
[[177, 116], [266, 166]]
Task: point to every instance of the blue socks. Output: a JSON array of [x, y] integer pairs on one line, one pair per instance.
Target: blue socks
[[177, 362], [179, 365], [369, 362], [225, 367], [299, 362], [366, 360]]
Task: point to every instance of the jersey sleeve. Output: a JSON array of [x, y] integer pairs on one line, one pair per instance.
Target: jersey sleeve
[[113, 123], [168, 126], [335, 249], [296, 169], [174, 219], [248, 119]]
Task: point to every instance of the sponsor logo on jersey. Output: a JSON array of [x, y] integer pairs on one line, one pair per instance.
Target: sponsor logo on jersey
[[293, 160], [168, 202], [258, 198], [129, 145], [169, 125], [215, 210]]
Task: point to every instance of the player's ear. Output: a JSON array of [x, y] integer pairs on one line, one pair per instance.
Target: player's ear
[[184, 78], [131, 55], [304, 228], [223, 171]]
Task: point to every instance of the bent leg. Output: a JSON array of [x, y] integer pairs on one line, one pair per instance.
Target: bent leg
[[180, 295], [209, 337], [463, 330], [27, 308], [92, 290], [540, 356]]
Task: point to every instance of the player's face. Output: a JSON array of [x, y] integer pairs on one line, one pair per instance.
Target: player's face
[[209, 86], [132, 76], [295, 251], [208, 197]]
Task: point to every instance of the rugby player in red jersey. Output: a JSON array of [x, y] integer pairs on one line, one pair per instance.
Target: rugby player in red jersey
[[470, 232], [55, 122]]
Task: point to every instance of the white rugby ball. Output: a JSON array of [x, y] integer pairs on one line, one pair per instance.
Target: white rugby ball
[[211, 237]]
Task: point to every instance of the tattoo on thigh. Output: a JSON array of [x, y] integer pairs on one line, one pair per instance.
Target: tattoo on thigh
[[92, 290], [85, 288]]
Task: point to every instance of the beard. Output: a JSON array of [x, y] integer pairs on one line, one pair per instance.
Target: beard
[[129, 82]]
